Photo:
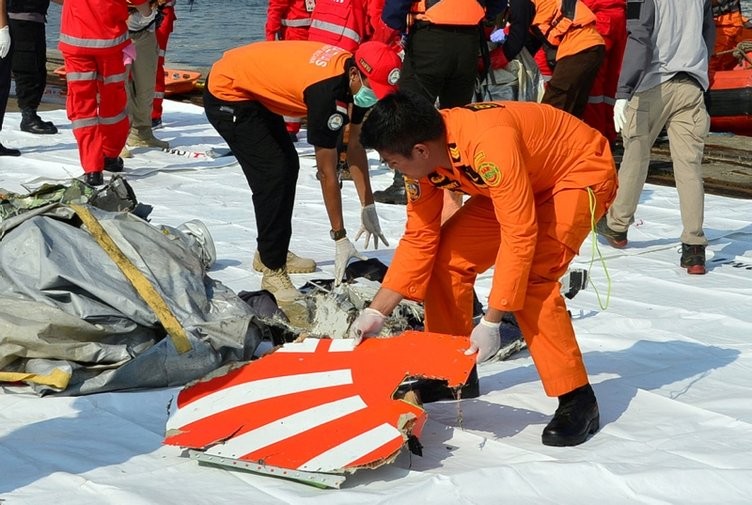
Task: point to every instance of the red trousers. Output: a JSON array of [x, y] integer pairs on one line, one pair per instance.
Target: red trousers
[[96, 106], [599, 111], [470, 241], [163, 34]]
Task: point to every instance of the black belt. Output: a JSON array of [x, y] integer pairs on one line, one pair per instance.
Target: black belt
[[420, 25]]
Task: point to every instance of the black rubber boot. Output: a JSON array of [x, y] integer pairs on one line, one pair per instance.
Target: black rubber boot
[[113, 164], [575, 420], [32, 123], [94, 178], [8, 151], [394, 194]]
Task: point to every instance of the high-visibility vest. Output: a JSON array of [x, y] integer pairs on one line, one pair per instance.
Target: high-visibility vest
[[446, 12], [341, 23], [568, 15]]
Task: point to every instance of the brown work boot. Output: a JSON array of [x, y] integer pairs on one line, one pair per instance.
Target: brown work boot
[[144, 137], [295, 264], [278, 283]]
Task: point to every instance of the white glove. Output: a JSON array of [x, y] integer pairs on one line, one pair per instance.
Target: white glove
[[485, 340], [368, 324], [620, 114], [344, 251], [4, 41], [370, 226]]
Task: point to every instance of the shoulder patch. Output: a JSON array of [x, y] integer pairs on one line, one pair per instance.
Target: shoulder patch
[[335, 122], [490, 173], [412, 188]]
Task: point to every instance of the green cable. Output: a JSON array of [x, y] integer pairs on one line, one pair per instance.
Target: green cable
[[594, 236]]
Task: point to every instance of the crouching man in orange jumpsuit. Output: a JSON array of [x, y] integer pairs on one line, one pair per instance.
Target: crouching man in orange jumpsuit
[[532, 173]]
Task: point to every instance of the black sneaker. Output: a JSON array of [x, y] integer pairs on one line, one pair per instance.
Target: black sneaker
[[693, 259], [9, 151], [575, 420], [617, 239], [94, 178], [113, 164]]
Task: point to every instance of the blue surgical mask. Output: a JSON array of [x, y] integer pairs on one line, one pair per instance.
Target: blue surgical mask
[[365, 97]]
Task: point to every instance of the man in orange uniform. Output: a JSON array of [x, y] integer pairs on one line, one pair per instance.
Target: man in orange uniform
[[532, 173], [249, 90], [567, 28], [93, 34], [729, 26]]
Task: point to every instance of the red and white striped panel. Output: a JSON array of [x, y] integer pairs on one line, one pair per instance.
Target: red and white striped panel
[[319, 405]]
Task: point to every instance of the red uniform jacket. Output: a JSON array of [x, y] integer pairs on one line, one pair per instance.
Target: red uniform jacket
[[94, 26]]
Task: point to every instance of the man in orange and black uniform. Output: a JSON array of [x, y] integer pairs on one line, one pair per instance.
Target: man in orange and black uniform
[[441, 54], [249, 90], [537, 178], [566, 29]]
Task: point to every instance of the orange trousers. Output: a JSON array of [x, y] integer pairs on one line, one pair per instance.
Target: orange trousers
[[469, 245]]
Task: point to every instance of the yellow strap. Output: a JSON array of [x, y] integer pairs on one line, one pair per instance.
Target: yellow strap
[[56, 378], [596, 249], [137, 279]]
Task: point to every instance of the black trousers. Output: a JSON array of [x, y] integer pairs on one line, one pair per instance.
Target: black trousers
[[441, 62], [5, 67], [260, 142], [29, 62], [572, 79]]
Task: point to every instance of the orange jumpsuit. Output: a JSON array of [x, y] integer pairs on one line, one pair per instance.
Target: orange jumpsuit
[[729, 27], [527, 168]]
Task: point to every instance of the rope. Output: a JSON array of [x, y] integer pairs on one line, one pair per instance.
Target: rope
[[740, 51]]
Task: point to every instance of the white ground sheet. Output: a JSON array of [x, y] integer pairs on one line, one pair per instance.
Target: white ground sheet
[[670, 361]]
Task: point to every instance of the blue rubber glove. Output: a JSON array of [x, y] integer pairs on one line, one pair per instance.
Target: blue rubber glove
[[498, 36]]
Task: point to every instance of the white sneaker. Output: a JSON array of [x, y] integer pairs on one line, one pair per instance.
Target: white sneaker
[[278, 283], [295, 264]]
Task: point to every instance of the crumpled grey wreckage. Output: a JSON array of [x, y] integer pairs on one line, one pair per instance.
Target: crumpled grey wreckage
[[65, 305]]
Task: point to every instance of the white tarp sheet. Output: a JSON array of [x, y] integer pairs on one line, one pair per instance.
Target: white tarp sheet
[[670, 361]]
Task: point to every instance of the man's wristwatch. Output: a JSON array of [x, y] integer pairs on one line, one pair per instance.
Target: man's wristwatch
[[339, 234]]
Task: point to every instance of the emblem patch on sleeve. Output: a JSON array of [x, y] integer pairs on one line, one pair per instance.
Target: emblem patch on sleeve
[[490, 173], [335, 122], [412, 188]]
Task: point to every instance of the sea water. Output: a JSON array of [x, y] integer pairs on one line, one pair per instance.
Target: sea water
[[207, 28], [203, 31]]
